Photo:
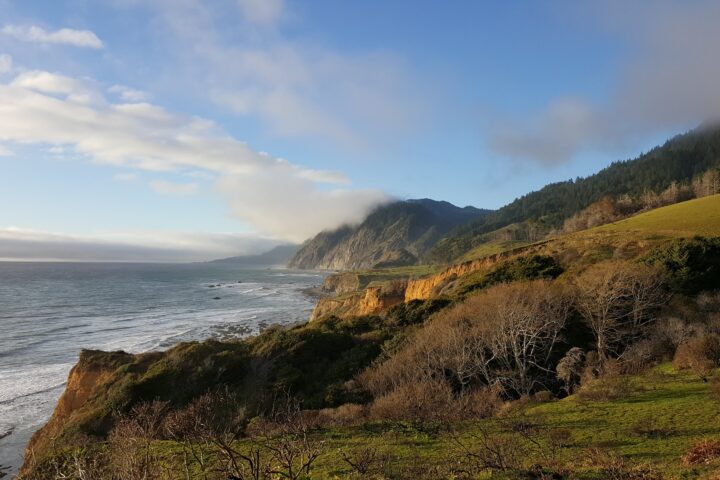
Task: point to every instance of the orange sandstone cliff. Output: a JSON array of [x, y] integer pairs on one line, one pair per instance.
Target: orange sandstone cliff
[[92, 370]]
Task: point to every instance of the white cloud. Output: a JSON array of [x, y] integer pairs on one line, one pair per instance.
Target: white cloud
[[6, 152], [669, 82], [262, 12], [172, 188], [47, 82], [24, 244], [6, 63], [128, 94], [296, 88], [278, 198], [125, 177], [64, 36]]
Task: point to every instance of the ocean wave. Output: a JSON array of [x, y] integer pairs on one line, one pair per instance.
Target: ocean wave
[[24, 382]]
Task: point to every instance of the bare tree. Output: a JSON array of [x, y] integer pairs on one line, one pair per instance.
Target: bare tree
[[131, 439], [287, 437], [523, 324], [617, 300], [503, 337]]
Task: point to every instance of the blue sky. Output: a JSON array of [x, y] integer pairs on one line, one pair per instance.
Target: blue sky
[[188, 129]]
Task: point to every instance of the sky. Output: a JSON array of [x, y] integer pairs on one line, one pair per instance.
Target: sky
[[184, 130]]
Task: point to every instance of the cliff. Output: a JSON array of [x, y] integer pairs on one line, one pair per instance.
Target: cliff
[[396, 234], [428, 287], [374, 299], [351, 295], [86, 378]]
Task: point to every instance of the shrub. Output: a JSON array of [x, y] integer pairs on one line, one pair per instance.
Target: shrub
[[639, 356], [615, 467], [570, 368], [524, 268], [702, 452], [649, 427], [693, 264], [608, 388], [700, 354], [415, 312], [423, 401], [364, 461], [347, 414]]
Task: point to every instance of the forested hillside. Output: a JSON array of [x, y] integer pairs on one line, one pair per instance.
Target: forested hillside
[[679, 160]]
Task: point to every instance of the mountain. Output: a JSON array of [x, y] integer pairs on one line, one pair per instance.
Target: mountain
[[279, 255], [396, 234], [680, 159]]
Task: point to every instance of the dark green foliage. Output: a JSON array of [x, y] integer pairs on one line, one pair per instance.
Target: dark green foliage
[[312, 362], [524, 268], [693, 265], [679, 159], [416, 311]]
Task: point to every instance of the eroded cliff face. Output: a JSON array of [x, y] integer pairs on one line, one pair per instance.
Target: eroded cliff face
[[93, 369], [342, 283], [351, 298], [374, 299]]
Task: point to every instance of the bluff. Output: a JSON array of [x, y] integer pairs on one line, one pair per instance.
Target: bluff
[[396, 234]]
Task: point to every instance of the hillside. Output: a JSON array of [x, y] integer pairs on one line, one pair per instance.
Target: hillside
[[700, 216], [404, 377], [678, 160], [371, 291], [397, 234], [279, 255]]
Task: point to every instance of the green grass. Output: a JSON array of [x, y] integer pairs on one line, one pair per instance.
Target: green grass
[[491, 248], [398, 272], [700, 216], [382, 275], [679, 404]]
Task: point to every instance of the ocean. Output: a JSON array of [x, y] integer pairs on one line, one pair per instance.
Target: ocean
[[50, 311]]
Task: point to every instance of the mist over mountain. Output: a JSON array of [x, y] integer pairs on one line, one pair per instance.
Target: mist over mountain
[[397, 234]]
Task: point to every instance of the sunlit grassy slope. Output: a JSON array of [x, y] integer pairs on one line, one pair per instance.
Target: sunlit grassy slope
[[700, 216], [678, 407], [491, 248]]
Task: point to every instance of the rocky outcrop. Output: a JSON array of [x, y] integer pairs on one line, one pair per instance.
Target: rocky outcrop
[[428, 287], [396, 234], [342, 283], [340, 306], [93, 369], [379, 298], [374, 299], [351, 299]]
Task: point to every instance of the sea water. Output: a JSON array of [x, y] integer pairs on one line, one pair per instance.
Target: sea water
[[50, 311]]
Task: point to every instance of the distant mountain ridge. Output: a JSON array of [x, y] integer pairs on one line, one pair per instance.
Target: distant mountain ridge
[[279, 255], [395, 234]]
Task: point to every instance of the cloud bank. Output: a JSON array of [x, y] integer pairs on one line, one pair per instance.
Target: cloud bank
[[19, 244], [64, 36], [668, 81]]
